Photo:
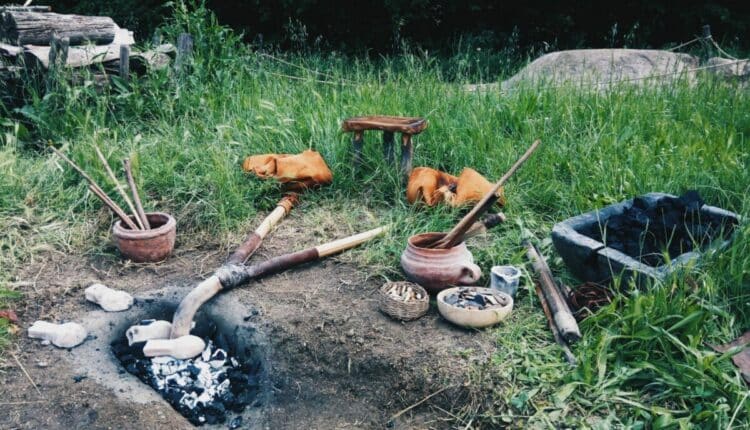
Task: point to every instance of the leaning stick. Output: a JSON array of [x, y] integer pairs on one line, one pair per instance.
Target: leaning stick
[[254, 239], [96, 189], [116, 209], [555, 332], [454, 237], [119, 187], [136, 197], [232, 275], [564, 319]]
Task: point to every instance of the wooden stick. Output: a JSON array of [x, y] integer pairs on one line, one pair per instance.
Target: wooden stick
[[116, 209], [96, 189], [476, 229], [231, 276], [118, 187], [453, 238], [564, 319], [254, 239], [555, 332], [137, 198], [23, 369]]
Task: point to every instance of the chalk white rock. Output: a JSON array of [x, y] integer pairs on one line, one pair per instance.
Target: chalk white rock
[[181, 348], [159, 329], [110, 300], [65, 335]]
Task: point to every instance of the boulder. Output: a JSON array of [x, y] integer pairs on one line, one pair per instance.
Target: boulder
[[728, 69], [601, 68]]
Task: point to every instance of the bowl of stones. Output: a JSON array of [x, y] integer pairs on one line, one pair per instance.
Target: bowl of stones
[[474, 307]]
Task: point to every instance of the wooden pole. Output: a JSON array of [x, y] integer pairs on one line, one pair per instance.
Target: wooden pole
[[555, 333], [254, 239], [98, 191], [184, 49], [116, 209], [559, 309], [124, 62], [136, 196], [453, 238], [118, 186]]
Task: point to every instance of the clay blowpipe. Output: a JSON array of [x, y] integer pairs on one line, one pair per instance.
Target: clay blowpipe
[[233, 275]]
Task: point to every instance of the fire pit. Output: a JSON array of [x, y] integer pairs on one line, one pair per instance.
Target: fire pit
[[650, 236]]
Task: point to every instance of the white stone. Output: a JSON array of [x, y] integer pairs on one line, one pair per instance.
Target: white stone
[[181, 348], [65, 335], [141, 333], [110, 300]]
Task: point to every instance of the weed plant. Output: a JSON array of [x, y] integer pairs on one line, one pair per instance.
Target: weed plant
[[643, 360]]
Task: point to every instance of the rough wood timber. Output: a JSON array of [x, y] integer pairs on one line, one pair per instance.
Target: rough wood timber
[[35, 28]]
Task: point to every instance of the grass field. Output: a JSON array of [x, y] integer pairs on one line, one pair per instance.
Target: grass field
[[643, 361]]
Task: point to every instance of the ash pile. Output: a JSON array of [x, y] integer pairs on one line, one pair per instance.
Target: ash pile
[[205, 389], [645, 231], [469, 299]]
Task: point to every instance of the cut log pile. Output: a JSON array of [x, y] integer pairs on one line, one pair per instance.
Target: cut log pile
[[33, 37]]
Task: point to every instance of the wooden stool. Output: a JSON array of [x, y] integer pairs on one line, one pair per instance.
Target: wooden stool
[[389, 125]]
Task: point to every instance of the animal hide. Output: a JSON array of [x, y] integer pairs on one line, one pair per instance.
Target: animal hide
[[296, 172], [433, 186]]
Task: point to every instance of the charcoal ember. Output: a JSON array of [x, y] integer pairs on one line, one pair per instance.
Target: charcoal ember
[[651, 232], [203, 389], [469, 299], [235, 423]]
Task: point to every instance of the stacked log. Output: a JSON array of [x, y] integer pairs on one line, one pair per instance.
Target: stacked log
[[38, 28], [36, 39]]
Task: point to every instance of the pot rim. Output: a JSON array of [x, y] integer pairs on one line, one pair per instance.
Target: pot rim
[[122, 233], [411, 244]]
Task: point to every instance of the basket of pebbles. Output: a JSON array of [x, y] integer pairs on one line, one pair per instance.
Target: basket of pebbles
[[403, 300], [474, 307]]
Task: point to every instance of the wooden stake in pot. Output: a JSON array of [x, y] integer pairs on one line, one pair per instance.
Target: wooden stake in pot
[[136, 197], [232, 275], [558, 307], [119, 188], [455, 236], [96, 189]]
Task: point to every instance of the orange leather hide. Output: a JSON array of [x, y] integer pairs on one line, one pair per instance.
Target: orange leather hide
[[296, 172], [433, 186]]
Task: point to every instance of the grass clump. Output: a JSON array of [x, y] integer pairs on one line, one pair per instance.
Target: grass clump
[[643, 359]]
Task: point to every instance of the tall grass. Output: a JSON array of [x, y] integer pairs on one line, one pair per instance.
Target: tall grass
[[643, 359]]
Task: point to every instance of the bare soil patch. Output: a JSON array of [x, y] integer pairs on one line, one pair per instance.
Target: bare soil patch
[[333, 360]]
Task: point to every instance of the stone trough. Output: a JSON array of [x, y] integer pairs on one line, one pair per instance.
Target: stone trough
[[676, 231]]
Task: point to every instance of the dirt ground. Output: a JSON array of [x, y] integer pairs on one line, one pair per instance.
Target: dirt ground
[[334, 360]]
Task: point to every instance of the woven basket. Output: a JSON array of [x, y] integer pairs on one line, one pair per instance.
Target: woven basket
[[404, 311]]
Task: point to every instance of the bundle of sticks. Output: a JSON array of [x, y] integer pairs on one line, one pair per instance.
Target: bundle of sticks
[[403, 292], [139, 221]]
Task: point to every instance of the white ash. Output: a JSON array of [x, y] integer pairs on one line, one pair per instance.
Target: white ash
[[202, 380]]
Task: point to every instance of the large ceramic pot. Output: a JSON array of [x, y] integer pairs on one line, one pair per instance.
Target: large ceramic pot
[[147, 246], [437, 269]]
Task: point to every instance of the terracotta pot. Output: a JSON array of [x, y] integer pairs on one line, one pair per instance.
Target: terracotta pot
[[147, 246], [437, 269]]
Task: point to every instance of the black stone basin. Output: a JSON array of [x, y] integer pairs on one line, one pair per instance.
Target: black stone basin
[[650, 236]]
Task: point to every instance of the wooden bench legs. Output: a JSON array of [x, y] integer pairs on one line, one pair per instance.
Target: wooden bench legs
[[358, 142], [388, 146], [389, 143], [407, 152]]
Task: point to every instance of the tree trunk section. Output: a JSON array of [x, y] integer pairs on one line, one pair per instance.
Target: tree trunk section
[[34, 28]]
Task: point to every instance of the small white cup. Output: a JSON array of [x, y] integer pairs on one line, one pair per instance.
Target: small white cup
[[505, 279]]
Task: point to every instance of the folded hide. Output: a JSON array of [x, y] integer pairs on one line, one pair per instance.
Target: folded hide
[[296, 172], [433, 187]]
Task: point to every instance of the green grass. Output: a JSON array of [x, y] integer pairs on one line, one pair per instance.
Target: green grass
[[643, 359]]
